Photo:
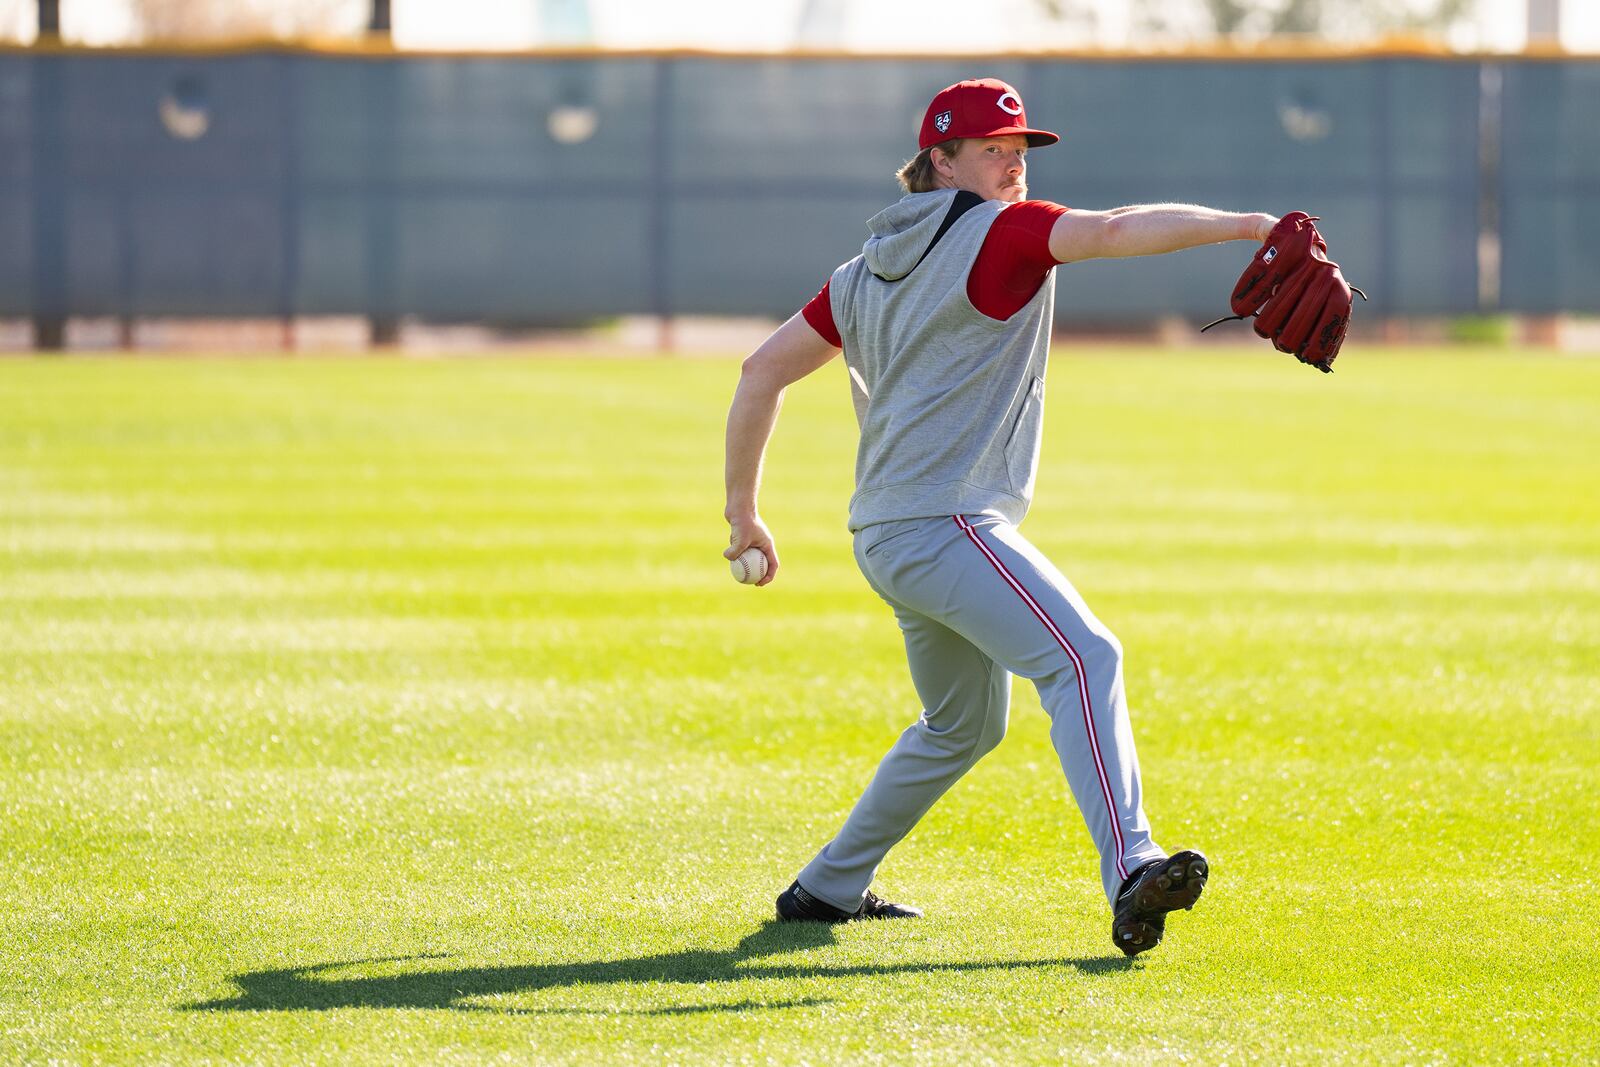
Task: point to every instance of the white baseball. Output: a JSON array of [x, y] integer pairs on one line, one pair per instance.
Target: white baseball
[[750, 567]]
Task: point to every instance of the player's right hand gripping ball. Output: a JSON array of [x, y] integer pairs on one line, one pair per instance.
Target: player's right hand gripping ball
[[1300, 300], [750, 566]]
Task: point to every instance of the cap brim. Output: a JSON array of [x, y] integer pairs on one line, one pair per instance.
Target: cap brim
[[1036, 138]]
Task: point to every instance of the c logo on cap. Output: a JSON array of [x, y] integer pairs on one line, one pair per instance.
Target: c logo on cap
[[1009, 103]]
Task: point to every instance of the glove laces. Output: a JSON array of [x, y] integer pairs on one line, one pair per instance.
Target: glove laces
[[1239, 318]]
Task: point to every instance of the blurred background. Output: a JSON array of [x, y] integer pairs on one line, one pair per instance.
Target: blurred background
[[315, 175]]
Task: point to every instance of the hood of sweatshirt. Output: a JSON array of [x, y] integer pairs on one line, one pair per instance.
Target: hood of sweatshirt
[[903, 232]]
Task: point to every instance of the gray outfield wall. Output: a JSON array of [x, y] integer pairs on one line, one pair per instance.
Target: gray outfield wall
[[531, 189]]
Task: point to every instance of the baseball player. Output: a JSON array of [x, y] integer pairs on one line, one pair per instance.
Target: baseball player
[[944, 320]]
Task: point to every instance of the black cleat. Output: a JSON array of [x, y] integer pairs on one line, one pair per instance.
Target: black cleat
[[796, 905], [1140, 916]]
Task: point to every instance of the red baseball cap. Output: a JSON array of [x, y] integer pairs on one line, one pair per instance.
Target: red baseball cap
[[983, 107]]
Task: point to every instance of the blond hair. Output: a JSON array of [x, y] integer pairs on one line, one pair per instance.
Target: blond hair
[[917, 174]]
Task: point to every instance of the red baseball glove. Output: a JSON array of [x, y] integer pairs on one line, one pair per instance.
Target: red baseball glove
[[1300, 300]]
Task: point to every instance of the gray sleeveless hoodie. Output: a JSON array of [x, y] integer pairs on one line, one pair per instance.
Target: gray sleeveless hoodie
[[950, 402]]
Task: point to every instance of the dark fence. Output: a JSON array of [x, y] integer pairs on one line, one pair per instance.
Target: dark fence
[[537, 189]]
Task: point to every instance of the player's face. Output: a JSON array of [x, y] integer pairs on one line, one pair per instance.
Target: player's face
[[996, 168]]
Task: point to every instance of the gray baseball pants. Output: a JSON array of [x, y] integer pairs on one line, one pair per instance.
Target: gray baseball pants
[[978, 603]]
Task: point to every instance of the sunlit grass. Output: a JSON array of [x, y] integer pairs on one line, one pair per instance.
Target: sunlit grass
[[406, 711]]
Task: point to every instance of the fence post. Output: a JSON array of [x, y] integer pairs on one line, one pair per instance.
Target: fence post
[[1382, 293], [1491, 89], [289, 201], [383, 321], [49, 207], [660, 194]]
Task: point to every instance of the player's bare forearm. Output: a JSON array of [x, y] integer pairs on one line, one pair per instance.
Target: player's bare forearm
[[793, 351], [750, 423], [1150, 229]]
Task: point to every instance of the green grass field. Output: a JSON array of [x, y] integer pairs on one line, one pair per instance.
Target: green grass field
[[406, 711]]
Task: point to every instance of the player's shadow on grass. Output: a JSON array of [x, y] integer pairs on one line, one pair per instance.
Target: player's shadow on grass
[[307, 988]]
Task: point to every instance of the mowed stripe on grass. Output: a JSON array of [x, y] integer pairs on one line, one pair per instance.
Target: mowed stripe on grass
[[406, 710]]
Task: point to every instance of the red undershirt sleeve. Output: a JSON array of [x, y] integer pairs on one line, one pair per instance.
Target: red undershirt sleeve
[[819, 313], [1015, 258]]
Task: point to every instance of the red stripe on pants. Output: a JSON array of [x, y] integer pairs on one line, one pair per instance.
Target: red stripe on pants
[[1083, 684]]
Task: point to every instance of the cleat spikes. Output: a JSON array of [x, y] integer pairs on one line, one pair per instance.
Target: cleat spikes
[[1150, 893]]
